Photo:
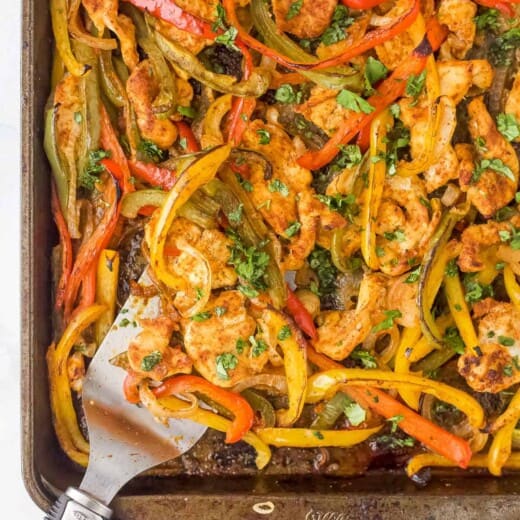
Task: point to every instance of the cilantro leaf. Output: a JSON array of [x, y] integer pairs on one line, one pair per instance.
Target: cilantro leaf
[[225, 362], [508, 126], [235, 216], [93, 169], [474, 290], [264, 136], [388, 322], [150, 152], [354, 102], [293, 228], [276, 185], [394, 421], [320, 261], [374, 71], [488, 19], [453, 340], [415, 84], [287, 95], [366, 359], [201, 316], [284, 333], [336, 31], [344, 204], [294, 9], [414, 275], [492, 164], [228, 38], [150, 361]]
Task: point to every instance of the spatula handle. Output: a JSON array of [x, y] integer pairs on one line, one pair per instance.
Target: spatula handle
[[77, 505]]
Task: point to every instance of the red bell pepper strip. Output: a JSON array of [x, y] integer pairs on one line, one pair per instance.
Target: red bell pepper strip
[[243, 107], [66, 247], [170, 12], [88, 288], [362, 4], [373, 38], [387, 92], [233, 402], [90, 250], [363, 138], [503, 7], [300, 314], [428, 433], [185, 132], [131, 387], [153, 174], [110, 143]]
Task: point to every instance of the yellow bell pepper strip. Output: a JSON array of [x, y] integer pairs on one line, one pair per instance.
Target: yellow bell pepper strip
[[235, 403], [460, 312], [212, 420], [211, 133], [503, 428], [133, 202], [307, 438], [323, 384], [432, 271], [63, 413], [106, 291], [415, 425], [479, 460], [189, 181], [374, 191], [294, 349], [60, 28], [406, 346], [256, 85], [512, 286], [334, 78]]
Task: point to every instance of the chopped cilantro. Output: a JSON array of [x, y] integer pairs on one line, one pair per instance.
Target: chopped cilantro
[[241, 345], [366, 359], [354, 102], [480, 144], [227, 38], [235, 216], [264, 136], [487, 20], [318, 435], [415, 84], [336, 31], [150, 361], [276, 185], [294, 9], [187, 111], [496, 165], [397, 235], [374, 71], [504, 213], [220, 19], [320, 261], [246, 185], [293, 228], [511, 236], [284, 333], [259, 346], [224, 363], [344, 204], [220, 311], [508, 126], [287, 95], [394, 442], [388, 322], [453, 340], [93, 169], [508, 370], [501, 50], [201, 316], [199, 292], [150, 152], [474, 290], [451, 269], [394, 421], [506, 341], [413, 276]]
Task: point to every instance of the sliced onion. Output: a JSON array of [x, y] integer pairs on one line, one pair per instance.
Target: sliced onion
[[451, 195], [268, 381], [163, 414]]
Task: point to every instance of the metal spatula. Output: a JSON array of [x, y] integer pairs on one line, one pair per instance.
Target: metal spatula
[[125, 440]]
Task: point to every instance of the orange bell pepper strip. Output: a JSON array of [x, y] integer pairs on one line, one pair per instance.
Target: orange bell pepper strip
[[242, 107], [153, 174], [66, 247], [434, 437], [387, 92], [235, 403], [170, 12], [110, 143], [89, 251], [372, 39], [185, 132], [300, 315]]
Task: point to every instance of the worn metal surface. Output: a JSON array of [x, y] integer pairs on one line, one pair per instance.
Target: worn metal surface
[[46, 471]]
